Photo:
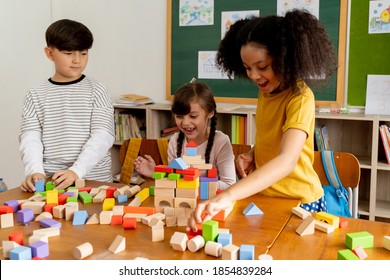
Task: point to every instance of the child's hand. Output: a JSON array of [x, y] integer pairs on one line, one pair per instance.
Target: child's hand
[[244, 163], [28, 184], [205, 210], [64, 179], [144, 165]]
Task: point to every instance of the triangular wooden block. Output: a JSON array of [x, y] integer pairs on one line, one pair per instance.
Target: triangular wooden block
[[178, 163], [118, 245], [307, 226], [93, 220], [252, 209]]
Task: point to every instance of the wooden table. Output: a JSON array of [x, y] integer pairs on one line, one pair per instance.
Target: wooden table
[[321, 246], [260, 231]]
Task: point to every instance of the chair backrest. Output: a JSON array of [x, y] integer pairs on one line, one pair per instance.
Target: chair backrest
[[240, 149], [348, 168]]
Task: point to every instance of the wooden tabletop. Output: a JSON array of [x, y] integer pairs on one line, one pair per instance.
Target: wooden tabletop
[[260, 230], [322, 246]]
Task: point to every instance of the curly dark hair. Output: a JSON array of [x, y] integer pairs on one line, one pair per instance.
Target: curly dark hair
[[181, 105], [298, 44]]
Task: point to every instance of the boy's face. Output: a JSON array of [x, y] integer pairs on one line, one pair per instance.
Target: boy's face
[[69, 65]]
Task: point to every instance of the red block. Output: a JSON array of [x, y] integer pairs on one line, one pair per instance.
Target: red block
[[49, 207], [116, 220], [85, 189], [129, 223], [62, 199], [212, 173], [359, 251], [6, 209], [188, 171], [110, 192], [163, 168], [343, 223], [16, 236]]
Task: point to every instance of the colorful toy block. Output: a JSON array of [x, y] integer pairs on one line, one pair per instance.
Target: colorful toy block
[[328, 218], [300, 212], [43, 215], [118, 245], [224, 239], [346, 254], [39, 249], [158, 233], [49, 185], [210, 230], [116, 220], [122, 198], [178, 163], [356, 239], [82, 251], [20, 253], [85, 197], [39, 186], [49, 223], [213, 249], [230, 252], [195, 243], [247, 252], [252, 210], [6, 220], [306, 227], [178, 241], [9, 203], [359, 251], [129, 222], [25, 216], [386, 242], [79, 217], [108, 204], [143, 194]]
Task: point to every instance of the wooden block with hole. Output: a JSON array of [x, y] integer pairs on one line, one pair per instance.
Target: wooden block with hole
[[185, 202], [118, 245], [306, 227], [328, 218]]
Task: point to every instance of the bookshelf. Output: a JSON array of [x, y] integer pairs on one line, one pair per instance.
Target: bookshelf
[[355, 133]]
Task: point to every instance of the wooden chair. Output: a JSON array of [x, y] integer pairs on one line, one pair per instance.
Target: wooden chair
[[348, 169]]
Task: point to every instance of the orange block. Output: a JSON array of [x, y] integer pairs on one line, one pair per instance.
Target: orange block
[[343, 223], [116, 220], [139, 210], [129, 223], [16, 236]]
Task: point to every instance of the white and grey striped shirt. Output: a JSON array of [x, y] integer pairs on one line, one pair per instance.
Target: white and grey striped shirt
[[68, 126]]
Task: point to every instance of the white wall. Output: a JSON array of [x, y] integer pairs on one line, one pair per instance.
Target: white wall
[[128, 56]]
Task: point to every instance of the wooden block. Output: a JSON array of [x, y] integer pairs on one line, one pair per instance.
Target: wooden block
[[356, 239], [178, 163], [195, 243], [359, 251], [155, 222], [137, 216], [129, 222], [213, 249], [50, 232], [6, 220], [59, 211], [105, 217], [118, 210], [8, 245], [132, 191], [210, 230], [36, 206], [108, 204], [161, 201], [94, 191], [328, 218], [146, 220], [118, 245], [265, 257], [222, 215], [163, 168], [169, 211], [38, 237], [179, 241], [99, 197], [43, 215], [230, 252], [204, 166], [187, 193], [252, 210], [386, 242], [182, 221], [171, 221], [300, 212], [139, 210], [80, 217], [116, 220], [52, 197], [164, 192], [343, 223], [70, 208], [213, 186], [93, 220], [247, 252], [80, 183], [322, 226], [181, 183], [135, 202], [143, 194], [346, 254], [82, 251], [157, 233], [306, 227], [164, 183], [184, 202]]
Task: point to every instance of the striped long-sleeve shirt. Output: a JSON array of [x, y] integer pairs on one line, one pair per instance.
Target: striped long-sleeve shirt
[[68, 126]]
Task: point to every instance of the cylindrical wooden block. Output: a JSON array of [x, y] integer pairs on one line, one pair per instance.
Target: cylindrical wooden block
[[213, 249], [83, 250], [195, 243], [132, 191], [265, 257], [121, 191]]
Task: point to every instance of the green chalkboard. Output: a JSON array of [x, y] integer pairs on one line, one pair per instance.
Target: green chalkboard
[[368, 53], [184, 43]]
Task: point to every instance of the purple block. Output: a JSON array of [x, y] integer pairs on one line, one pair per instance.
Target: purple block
[[207, 179], [13, 203], [71, 194], [25, 216], [49, 222], [39, 249]]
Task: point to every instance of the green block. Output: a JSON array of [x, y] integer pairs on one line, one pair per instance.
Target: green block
[[71, 199], [174, 176], [49, 185], [85, 197], [151, 190], [210, 230], [41, 193], [356, 239], [71, 188], [159, 175], [346, 254]]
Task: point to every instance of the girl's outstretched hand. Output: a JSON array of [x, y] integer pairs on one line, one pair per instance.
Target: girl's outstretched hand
[[144, 165], [205, 210], [28, 184], [244, 163]]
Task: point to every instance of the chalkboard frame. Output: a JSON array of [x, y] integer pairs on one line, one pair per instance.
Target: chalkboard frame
[[337, 99]]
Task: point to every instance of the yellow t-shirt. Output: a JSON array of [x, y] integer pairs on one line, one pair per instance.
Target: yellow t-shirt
[[274, 115]]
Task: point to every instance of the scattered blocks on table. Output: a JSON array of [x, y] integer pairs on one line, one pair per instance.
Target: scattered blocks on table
[[322, 226], [118, 245], [9, 203], [252, 209], [213, 249], [39, 249], [230, 252], [129, 222], [20, 253], [52, 197], [50, 232], [143, 194], [85, 197], [356, 239], [247, 252], [116, 220], [93, 220], [16, 236], [105, 217], [195, 243], [36, 206], [43, 215], [82, 251], [179, 241]]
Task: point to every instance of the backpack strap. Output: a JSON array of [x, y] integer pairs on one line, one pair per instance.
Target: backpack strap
[[128, 164], [330, 168], [163, 149]]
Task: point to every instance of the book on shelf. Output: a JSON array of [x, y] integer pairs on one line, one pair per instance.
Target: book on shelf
[[133, 100], [238, 129], [169, 131], [385, 135], [321, 137], [128, 126]]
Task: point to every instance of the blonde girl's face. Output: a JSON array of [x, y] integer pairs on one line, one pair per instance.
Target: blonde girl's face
[[258, 65], [194, 125], [69, 65]]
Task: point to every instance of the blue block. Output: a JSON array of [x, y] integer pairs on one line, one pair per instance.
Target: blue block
[[224, 239], [40, 249], [122, 198], [25, 216], [192, 151], [178, 163], [252, 209], [20, 253], [40, 186], [80, 217], [247, 252], [204, 191]]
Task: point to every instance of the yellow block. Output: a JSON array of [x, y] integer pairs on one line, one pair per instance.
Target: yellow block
[[143, 194], [52, 197], [108, 204], [181, 183], [328, 218]]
